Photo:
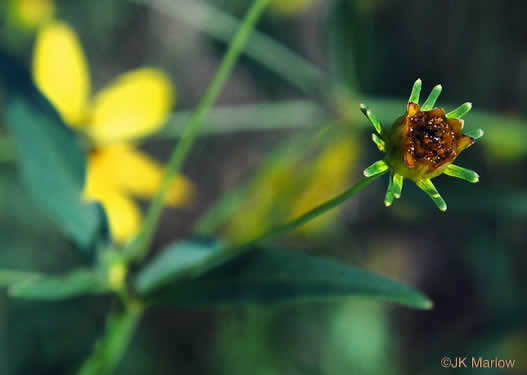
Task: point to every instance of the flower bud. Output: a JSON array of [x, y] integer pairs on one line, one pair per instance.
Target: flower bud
[[421, 145]]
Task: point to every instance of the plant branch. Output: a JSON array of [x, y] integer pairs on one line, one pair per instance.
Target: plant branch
[[140, 247], [289, 226], [120, 329], [314, 213]]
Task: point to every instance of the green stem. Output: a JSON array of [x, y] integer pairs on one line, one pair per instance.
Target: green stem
[[270, 53], [140, 247], [314, 213], [8, 277], [289, 226], [110, 350]]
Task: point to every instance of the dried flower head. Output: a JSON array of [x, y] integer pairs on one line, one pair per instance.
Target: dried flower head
[[421, 145]]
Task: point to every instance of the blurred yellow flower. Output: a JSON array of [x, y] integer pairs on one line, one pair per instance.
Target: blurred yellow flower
[[291, 7], [332, 173], [291, 189], [30, 14], [134, 105]]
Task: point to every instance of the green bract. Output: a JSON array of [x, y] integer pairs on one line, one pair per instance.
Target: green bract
[[421, 145]]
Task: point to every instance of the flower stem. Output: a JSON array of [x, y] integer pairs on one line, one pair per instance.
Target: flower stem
[[120, 330], [9, 277], [286, 227], [140, 247], [229, 202], [315, 212]]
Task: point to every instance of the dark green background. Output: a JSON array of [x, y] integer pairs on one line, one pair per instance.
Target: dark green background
[[471, 261]]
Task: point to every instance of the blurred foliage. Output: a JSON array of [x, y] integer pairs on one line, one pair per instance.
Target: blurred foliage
[[294, 187], [471, 260]]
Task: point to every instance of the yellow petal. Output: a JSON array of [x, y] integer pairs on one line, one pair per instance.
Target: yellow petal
[[61, 72], [123, 214], [136, 104], [135, 172]]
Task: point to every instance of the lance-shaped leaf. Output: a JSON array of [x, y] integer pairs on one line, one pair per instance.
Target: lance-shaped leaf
[[44, 287], [11, 277], [175, 261], [52, 162], [264, 276]]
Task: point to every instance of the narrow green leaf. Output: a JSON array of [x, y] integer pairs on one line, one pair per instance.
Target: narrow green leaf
[[388, 198], [285, 115], [44, 287], [371, 117], [432, 98], [175, 261], [416, 92], [9, 277], [460, 111], [476, 133], [381, 145], [428, 187], [270, 53], [52, 162], [344, 40], [376, 168], [397, 185], [462, 173], [280, 276], [111, 348]]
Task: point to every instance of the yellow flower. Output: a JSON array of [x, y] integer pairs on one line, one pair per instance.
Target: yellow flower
[[291, 7], [332, 175], [134, 105], [30, 14]]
